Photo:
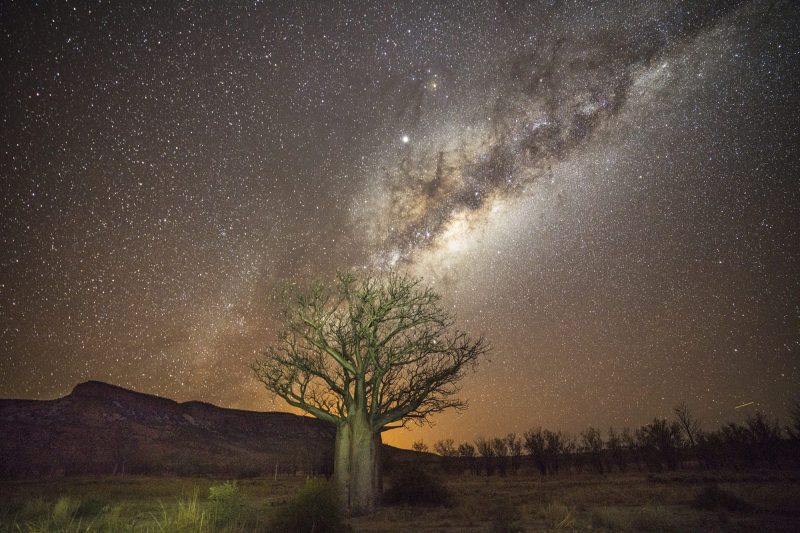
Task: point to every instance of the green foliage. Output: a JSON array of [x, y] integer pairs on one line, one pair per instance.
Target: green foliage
[[33, 508], [713, 498], [316, 508], [413, 485], [64, 511], [226, 500], [189, 516], [223, 491], [90, 507]]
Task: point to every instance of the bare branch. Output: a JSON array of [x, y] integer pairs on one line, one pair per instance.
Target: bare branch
[[382, 344]]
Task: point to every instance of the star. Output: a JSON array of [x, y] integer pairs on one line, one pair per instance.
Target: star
[[618, 228]]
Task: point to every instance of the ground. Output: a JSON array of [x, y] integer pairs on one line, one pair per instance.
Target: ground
[[618, 502]]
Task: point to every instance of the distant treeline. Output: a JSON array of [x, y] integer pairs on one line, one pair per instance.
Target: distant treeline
[[663, 444]]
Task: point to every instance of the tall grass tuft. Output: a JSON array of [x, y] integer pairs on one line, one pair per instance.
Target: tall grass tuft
[[64, 511], [187, 516], [558, 516]]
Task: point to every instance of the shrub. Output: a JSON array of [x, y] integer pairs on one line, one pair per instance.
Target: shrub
[[90, 507], [64, 511], [315, 509], [558, 516], [506, 517], [712, 498], [414, 486], [223, 492], [188, 515], [225, 499], [34, 508]]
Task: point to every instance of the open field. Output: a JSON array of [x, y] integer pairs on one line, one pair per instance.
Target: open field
[[762, 501]]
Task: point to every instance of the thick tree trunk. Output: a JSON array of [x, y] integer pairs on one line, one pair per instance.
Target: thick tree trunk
[[364, 469], [341, 463]]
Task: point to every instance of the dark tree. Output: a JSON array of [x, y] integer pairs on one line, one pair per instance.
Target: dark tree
[[660, 441], [514, 445], [689, 423], [556, 444], [501, 453], [367, 354], [466, 452], [793, 429], [535, 444], [447, 450], [486, 450], [592, 446], [616, 450], [419, 446]]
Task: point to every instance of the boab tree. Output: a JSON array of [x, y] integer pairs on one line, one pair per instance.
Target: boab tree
[[368, 354]]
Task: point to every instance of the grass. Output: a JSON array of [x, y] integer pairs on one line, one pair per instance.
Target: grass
[[619, 502]]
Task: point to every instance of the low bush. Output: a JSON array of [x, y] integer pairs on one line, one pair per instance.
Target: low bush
[[225, 501], [64, 511], [414, 486], [315, 509], [188, 515], [712, 498], [558, 516], [224, 492], [506, 517]]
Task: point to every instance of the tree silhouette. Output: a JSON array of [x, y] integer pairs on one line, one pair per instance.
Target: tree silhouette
[[515, 450], [793, 429], [466, 452], [367, 354], [501, 453], [487, 452], [689, 423], [616, 450], [419, 446], [592, 444], [447, 449], [536, 443]]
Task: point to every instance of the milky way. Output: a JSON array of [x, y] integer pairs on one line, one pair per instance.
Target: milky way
[[608, 192]]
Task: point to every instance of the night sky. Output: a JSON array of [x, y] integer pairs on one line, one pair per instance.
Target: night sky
[[611, 194]]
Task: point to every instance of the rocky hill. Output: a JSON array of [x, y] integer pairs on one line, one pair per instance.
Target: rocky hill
[[104, 429]]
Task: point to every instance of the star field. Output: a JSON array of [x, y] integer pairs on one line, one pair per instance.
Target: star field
[[608, 192]]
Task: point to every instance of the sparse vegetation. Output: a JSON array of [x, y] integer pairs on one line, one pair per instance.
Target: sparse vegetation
[[629, 501], [558, 516], [506, 517], [745, 477]]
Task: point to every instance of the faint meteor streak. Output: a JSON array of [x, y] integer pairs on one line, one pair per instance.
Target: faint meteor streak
[[743, 405]]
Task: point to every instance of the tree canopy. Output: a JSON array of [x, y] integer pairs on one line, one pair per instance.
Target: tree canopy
[[385, 338]]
